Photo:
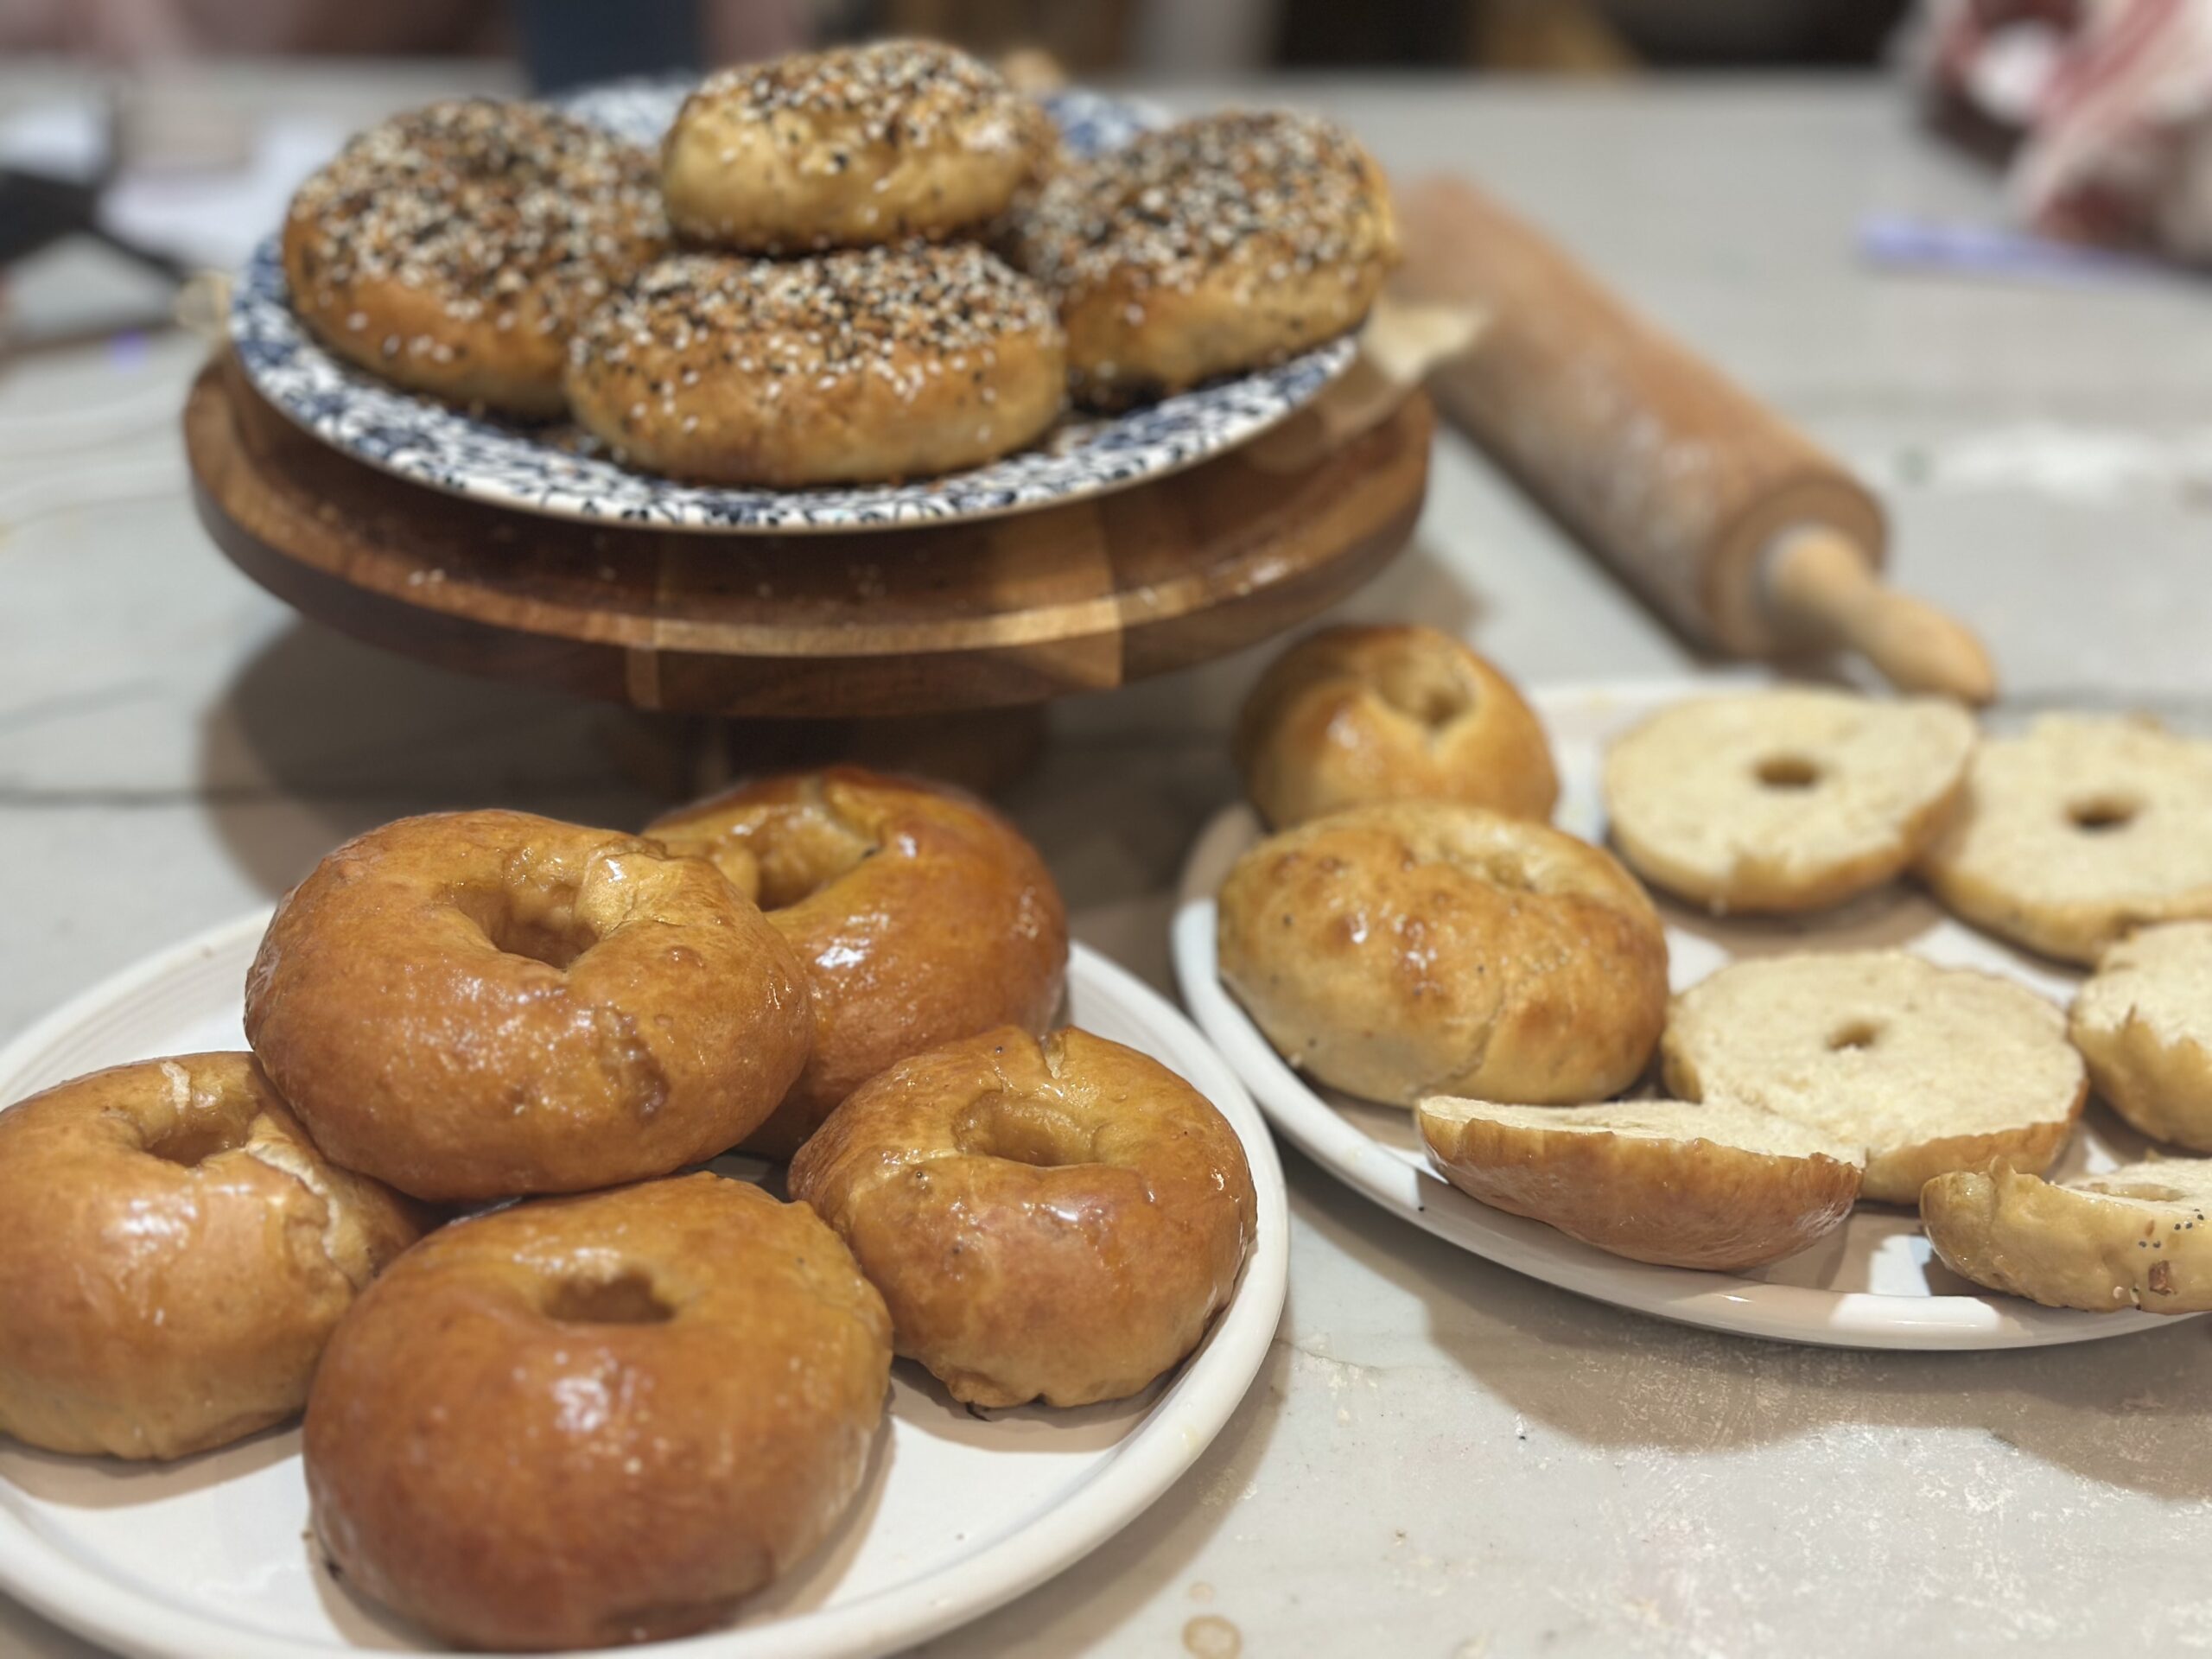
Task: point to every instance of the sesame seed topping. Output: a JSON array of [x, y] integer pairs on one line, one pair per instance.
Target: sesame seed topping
[[896, 314], [904, 93], [487, 207], [1267, 191]]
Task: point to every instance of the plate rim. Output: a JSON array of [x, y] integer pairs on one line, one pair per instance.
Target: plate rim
[[787, 509], [54, 1582], [1714, 1301]]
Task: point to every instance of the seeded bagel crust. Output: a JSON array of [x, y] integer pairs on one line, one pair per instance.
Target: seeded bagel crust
[[882, 363], [850, 146], [455, 250], [1219, 245]]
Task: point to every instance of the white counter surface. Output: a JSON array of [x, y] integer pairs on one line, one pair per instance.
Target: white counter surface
[[1440, 1459]]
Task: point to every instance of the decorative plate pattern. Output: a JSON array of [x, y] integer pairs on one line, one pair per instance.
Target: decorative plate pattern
[[559, 470]]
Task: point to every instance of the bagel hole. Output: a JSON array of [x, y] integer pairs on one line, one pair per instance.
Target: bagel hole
[[1020, 1131], [1787, 772], [2099, 813], [189, 1145], [626, 1299], [547, 930], [1859, 1033], [1433, 694], [803, 850]]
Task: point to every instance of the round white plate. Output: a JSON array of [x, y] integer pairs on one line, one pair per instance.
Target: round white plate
[[206, 1559], [556, 470], [1871, 1283]]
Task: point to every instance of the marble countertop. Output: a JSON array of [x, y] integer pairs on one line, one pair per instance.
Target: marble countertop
[[1440, 1458]]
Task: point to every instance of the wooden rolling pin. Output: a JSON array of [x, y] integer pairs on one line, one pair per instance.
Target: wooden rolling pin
[[1726, 518]]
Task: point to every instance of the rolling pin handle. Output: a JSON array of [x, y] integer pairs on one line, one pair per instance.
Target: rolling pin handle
[[1822, 587]]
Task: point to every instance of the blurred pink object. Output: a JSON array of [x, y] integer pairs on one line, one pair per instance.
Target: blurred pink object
[[2111, 103]]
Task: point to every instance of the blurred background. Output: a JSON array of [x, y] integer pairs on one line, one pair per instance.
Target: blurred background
[[561, 39]]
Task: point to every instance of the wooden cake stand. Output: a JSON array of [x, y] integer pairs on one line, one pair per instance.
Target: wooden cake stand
[[894, 623]]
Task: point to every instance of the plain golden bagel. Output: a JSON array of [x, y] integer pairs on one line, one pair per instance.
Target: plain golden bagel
[[1930, 1069], [454, 250], [2144, 1025], [480, 1005], [1718, 1186], [2077, 831], [1351, 716], [1780, 801], [1056, 1219], [1423, 948], [921, 915], [852, 367], [177, 1254], [589, 1420], [850, 147], [1219, 245]]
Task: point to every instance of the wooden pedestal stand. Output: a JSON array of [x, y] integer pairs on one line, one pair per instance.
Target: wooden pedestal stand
[[869, 631]]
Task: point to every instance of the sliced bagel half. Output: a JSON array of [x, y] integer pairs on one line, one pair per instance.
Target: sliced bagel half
[[1718, 1186]]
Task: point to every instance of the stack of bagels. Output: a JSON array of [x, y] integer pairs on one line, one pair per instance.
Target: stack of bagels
[[1414, 932], [563, 1387], [864, 263]]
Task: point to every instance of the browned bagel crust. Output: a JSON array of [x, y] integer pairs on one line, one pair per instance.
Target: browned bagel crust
[[1424, 947], [1056, 1219], [596, 1419], [1219, 245], [882, 363], [1680, 1201], [479, 1005], [850, 146], [922, 916], [177, 1254], [455, 249], [1351, 715]]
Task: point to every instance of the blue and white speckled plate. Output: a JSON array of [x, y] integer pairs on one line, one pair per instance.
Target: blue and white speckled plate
[[559, 471]]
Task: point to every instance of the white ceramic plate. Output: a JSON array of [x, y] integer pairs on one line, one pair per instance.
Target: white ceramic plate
[[1873, 1283], [556, 471], [206, 1559]]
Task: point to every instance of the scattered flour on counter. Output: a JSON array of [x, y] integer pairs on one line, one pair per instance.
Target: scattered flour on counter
[[2069, 463]]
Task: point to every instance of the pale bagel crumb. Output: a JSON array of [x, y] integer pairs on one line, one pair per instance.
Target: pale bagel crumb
[[1422, 947], [2137, 1236], [2144, 1023], [2074, 833], [850, 146], [1716, 1186], [1221, 244], [882, 363], [1350, 716], [1930, 1069], [1785, 800]]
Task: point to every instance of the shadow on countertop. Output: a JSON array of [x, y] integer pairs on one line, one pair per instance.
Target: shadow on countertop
[[2134, 1413], [318, 738]]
